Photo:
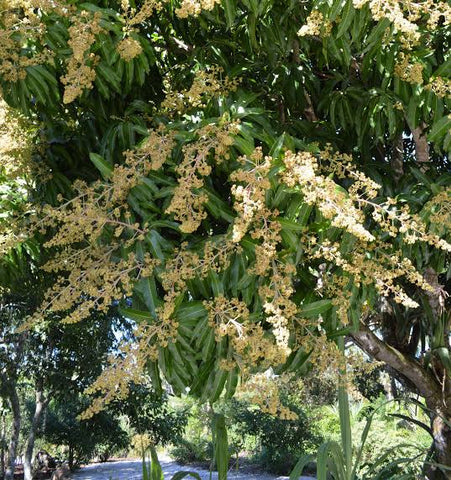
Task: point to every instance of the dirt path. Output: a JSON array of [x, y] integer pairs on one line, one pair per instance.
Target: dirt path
[[132, 470]]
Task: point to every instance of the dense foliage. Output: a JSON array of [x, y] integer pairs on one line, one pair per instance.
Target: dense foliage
[[256, 178], [149, 412], [102, 435]]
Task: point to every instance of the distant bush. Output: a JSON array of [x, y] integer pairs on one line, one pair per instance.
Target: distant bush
[[196, 444], [278, 443], [192, 451]]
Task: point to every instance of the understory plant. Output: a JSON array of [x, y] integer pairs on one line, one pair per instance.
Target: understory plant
[[151, 469], [338, 460]]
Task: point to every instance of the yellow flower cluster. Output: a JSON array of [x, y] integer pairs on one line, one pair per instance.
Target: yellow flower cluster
[[188, 201], [440, 208], [250, 345], [411, 72], [400, 221], [324, 355], [278, 306], [129, 48], [335, 204], [115, 380], [440, 86], [369, 264], [150, 155], [207, 84], [406, 15], [140, 443], [15, 143], [80, 73], [194, 7], [227, 317], [15, 30], [264, 389], [92, 273], [133, 17], [16, 169], [255, 217], [316, 25], [183, 266], [250, 198]]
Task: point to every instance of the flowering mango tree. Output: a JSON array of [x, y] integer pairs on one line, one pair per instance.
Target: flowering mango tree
[[249, 179]]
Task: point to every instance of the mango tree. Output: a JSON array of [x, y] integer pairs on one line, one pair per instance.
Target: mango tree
[[249, 179]]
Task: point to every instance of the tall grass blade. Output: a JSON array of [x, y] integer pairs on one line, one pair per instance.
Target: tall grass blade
[[363, 439], [331, 450], [221, 445], [180, 475], [300, 465], [345, 419], [156, 473]]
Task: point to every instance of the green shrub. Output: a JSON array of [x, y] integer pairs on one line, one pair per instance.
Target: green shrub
[[388, 441], [196, 444], [186, 451], [278, 443]]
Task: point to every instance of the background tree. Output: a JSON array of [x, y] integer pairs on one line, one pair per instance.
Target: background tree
[[149, 412], [285, 181], [102, 434]]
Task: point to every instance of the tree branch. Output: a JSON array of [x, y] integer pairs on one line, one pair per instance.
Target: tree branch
[[397, 158], [411, 369], [421, 144]]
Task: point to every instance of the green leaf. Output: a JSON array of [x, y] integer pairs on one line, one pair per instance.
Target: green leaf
[[156, 471], [147, 288], [221, 445], [191, 311], [299, 467], [180, 475], [137, 315], [347, 18], [230, 12], [104, 167], [440, 129], [109, 75], [315, 308]]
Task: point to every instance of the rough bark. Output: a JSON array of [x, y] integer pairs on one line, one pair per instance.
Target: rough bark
[[411, 369], [397, 158], [421, 144], [14, 440], [2, 446], [71, 457], [40, 406]]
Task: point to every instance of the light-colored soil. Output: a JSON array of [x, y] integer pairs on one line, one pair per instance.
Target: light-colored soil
[[132, 470]]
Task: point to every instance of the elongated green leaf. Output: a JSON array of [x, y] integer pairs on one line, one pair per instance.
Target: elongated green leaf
[[440, 128], [299, 467], [180, 475], [104, 167], [325, 451], [221, 445], [315, 308], [347, 18], [156, 472], [137, 315]]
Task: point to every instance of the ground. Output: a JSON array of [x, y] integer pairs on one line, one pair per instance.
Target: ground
[[132, 470]]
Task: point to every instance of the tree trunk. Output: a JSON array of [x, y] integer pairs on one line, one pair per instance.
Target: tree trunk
[[71, 457], [2, 446], [437, 399], [421, 144], [39, 410], [441, 446], [12, 450]]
